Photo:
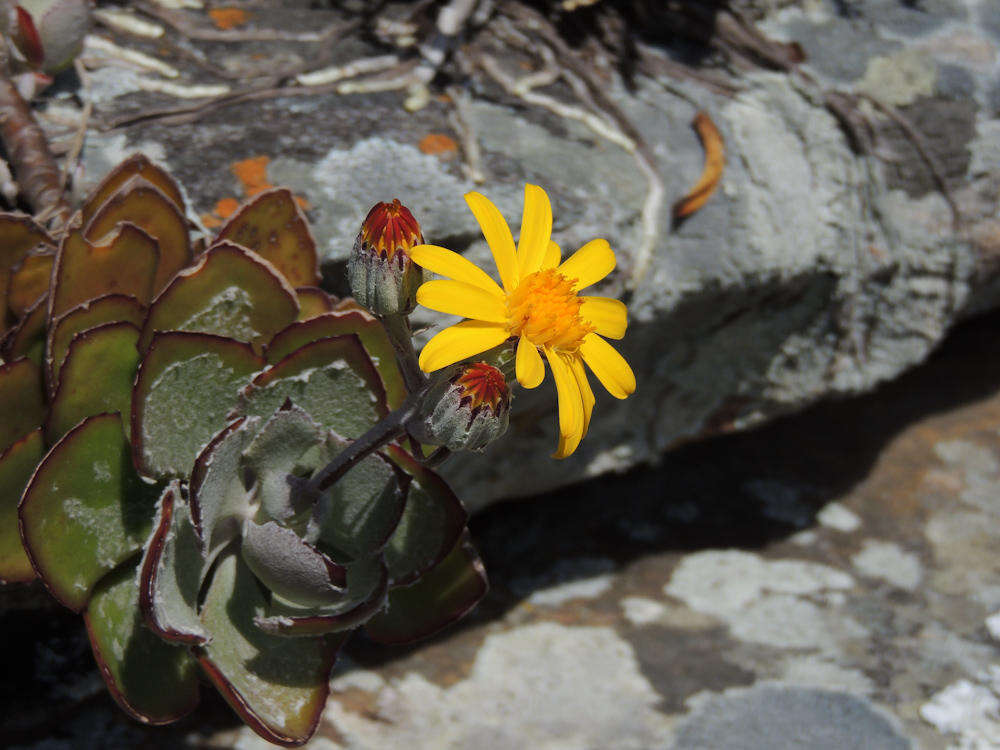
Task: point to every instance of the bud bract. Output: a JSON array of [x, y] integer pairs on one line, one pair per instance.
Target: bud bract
[[467, 408], [383, 277]]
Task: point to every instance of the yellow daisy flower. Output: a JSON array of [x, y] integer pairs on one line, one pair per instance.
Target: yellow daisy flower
[[539, 305]]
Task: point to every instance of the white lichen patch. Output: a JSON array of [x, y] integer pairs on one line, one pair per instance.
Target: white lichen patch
[[899, 79], [784, 603], [889, 562], [639, 610], [580, 578], [839, 518], [968, 711], [541, 686], [813, 671]]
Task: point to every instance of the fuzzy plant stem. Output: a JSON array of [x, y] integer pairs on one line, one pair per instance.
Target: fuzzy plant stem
[[398, 328], [388, 429]]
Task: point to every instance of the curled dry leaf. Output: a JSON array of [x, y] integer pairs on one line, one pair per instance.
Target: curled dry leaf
[[715, 160]]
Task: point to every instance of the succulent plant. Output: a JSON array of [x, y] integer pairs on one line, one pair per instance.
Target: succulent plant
[[169, 415]]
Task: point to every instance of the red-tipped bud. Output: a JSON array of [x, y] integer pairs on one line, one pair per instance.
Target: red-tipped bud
[[467, 408], [383, 278]]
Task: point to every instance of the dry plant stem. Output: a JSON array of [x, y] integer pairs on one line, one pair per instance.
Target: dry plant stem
[[398, 329], [72, 159], [28, 149], [398, 78], [920, 144], [462, 123], [387, 430]]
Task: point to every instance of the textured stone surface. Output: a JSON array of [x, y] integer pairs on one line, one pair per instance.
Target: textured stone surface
[[813, 272]]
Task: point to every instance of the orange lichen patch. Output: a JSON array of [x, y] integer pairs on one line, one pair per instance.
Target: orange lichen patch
[[252, 174], [228, 18], [715, 160], [226, 207], [438, 144]]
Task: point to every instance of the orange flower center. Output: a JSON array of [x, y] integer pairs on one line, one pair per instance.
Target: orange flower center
[[483, 385], [546, 310]]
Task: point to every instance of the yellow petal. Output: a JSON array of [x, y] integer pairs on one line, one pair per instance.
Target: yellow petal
[[459, 298], [441, 260], [570, 405], [498, 237], [460, 341], [536, 230], [608, 316], [528, 365], [576, 365], [608, 365], [589, 264], [552, 256]]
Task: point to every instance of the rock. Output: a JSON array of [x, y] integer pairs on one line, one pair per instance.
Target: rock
[[814, 272]]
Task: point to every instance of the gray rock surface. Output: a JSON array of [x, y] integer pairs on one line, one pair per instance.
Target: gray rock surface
[[814, 272]]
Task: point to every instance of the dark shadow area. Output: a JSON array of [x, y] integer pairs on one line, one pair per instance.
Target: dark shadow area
[[708, 494], [741, 491]]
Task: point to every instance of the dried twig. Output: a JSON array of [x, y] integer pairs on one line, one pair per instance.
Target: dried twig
[[28, 150], [920, 144], [462, 123]]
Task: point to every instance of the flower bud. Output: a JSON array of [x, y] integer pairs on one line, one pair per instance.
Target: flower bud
[[383, 278], [467, 408]]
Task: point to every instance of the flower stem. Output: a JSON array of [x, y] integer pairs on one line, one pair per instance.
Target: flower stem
[[385, 431], [398, 328]]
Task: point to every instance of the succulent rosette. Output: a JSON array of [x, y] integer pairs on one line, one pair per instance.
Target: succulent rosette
[[162, 407]]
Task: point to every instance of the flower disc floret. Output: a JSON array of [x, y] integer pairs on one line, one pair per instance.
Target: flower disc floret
[[545, 309], [538, 304]]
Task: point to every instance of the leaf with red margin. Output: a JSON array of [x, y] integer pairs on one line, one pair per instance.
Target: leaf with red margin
[[96, 378], [228, 292], [444, 594], [186, 387], [278, 686], [333, 380], [137, 165], [313, 301], [370, 331], [85, 510], [22, 404], [112, 308], [142, 204], [432, 522], [219, 500], [29, 281], [170, 573], [154, 681], [19, 234], [17, 463], [272, 225], [367, 584], [124, 264], [27, 338]]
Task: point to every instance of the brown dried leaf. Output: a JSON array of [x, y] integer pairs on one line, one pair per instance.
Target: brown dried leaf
[[18, 235], [29, 281], [125, 264], [138, 165], [272, 225], [143, 204], [715, 160]]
